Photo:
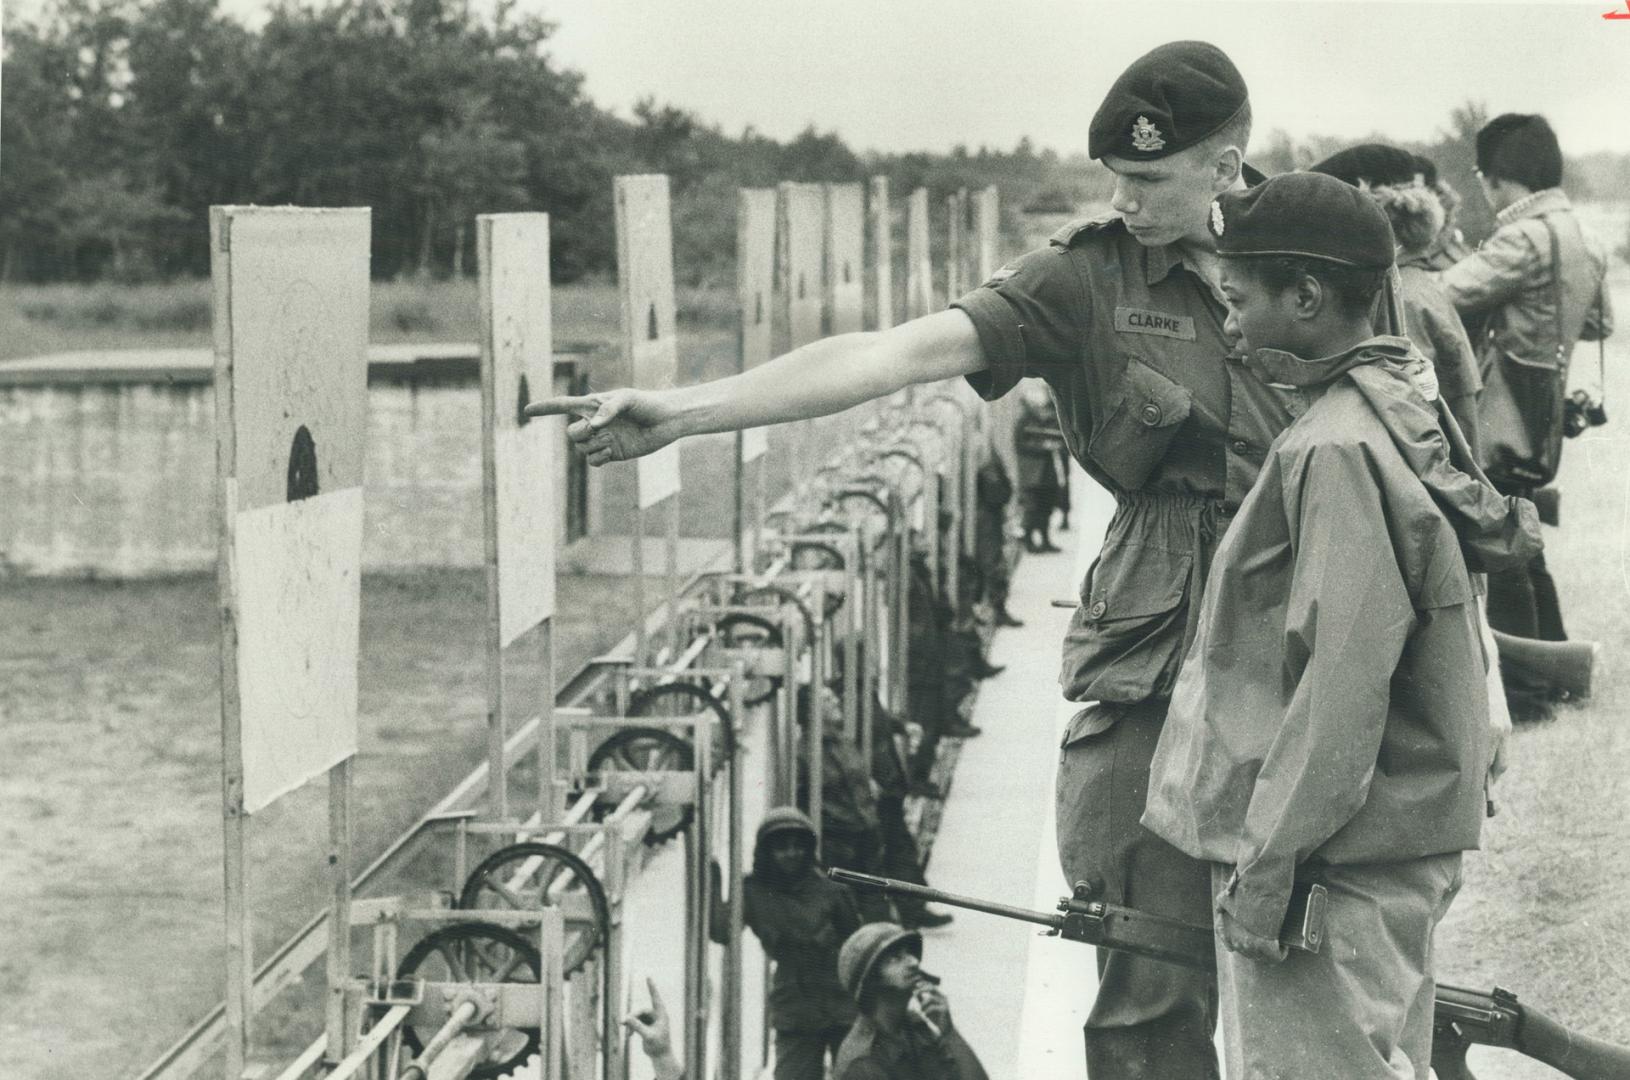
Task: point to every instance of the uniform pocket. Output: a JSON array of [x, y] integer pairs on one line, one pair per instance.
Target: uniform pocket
[[1126, 640], [1149, 410]]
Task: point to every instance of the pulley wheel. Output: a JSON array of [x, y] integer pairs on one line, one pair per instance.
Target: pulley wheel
[[676, 699], [477, 953], [742, 630], [643, 749], [491, 885]]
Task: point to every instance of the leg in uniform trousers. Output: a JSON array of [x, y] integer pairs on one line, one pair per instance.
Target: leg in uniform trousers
[[1361, 1007], [801, 1055], [1150, 1019]]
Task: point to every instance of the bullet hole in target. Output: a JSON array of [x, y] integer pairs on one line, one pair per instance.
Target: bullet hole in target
[[800, 286], [651, 329], [847, 275], [520, 406], [302, 466], [758, 309]]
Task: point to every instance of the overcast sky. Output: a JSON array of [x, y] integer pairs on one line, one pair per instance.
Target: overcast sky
[[928, 74]]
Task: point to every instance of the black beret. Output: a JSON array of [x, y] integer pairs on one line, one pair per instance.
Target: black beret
[[1376, 164], [1306, 214], [1521, 148], [1167, 101], [1428, 169]]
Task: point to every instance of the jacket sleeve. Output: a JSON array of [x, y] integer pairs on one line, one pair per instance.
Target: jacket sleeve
[[1494, 273], [1347, 618]]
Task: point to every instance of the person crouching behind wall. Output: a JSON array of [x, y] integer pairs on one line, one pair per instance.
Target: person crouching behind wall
[[801, 919], [904, 1030]]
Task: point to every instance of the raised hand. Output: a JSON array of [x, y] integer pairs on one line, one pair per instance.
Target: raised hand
[[615, 425]]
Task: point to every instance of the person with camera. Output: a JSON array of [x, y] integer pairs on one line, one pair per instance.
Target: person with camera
[[1537, 285]]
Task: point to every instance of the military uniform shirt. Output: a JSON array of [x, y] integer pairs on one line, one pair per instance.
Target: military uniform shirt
[[1130, 341]]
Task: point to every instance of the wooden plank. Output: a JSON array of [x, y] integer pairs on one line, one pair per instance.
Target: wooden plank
[[882, 230], [845, 245], [956, 209], [755, 285], [645, 280], [919, 272], [295, 371], [803, 212], [987, 223]]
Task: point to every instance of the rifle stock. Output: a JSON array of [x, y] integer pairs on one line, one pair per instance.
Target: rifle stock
[[1461, 1017]]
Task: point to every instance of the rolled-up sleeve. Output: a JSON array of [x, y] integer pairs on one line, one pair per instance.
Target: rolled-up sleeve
[[1030, 319]]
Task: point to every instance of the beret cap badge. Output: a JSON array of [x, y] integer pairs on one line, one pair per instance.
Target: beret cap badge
[[1146, 137]]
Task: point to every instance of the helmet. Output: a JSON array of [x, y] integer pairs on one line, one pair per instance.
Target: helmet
[[785, 819], [865, 946]]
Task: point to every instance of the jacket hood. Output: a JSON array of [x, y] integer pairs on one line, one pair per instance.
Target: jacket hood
[[1496, 531]]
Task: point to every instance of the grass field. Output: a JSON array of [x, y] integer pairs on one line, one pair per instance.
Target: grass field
[[109, 767], [37, 319]]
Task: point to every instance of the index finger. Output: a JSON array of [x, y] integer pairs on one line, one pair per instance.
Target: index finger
[[586, 405], [656, 998]]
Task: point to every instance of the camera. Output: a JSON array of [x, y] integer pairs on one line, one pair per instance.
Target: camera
[[1580, 414]]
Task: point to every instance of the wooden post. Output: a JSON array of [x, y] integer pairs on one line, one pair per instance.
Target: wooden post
[[955, 209], [239, 948], [337, 1021], [733, 957]]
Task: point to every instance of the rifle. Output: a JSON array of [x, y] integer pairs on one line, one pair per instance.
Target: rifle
[[1462, 1018]]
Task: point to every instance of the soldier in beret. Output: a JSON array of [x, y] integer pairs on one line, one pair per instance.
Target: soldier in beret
[[1123, 319], [1330, 719]]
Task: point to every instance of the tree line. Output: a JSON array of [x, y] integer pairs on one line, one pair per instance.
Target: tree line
[[124, 120]]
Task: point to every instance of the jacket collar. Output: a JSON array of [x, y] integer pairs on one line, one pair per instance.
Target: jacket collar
[[1277, 366], [1546, 201], [1159, 262]]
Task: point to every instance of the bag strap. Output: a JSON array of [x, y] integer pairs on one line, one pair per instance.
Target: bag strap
[[1556, 293]]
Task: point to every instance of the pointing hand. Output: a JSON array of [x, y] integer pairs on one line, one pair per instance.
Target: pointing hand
[[616, 425]]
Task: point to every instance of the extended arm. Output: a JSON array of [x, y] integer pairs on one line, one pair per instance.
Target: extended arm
[[817, 379], [1346, 622]]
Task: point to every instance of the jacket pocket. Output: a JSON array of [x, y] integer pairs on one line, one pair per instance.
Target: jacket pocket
[[1149, 410], [1126, 640]]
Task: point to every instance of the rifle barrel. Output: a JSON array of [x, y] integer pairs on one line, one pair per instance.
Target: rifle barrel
[[922, 892]]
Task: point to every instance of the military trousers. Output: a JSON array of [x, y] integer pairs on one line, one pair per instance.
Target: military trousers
[[1361, 1007], [801, 1055], [1149, 1019]]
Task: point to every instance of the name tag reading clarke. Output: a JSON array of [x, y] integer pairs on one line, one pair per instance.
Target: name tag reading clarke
[[1131, 320]]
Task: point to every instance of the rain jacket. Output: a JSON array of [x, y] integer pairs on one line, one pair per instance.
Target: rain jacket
[[872, 1053], [801, 925], [1333, 707]]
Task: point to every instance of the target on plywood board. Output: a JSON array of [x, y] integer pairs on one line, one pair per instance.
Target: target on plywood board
[[645, 277], [292, 359], [517, 363], [755, 282]]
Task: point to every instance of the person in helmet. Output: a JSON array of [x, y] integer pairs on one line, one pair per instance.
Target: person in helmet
[[904, 1030], [801, 918]]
